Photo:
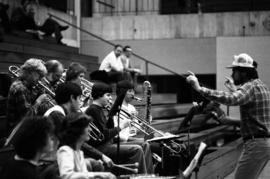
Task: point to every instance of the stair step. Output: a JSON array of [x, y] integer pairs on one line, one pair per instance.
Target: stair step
[[24, 38], [170, 125], [158, 98], [166, 111]]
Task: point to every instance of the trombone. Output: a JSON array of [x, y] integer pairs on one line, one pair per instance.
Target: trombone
[[15, 71], [95, 133], [147, 129]]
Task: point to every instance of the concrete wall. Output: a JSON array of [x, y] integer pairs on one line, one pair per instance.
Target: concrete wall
[[178, 55], [178, 26]]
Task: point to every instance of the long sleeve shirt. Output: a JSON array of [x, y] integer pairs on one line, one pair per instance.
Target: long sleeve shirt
[[72, 164], [99, 119], [253, 97], [20, 101]]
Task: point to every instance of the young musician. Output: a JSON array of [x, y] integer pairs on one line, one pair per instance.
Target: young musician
[[75, 72], [23, 97], [128, 135], [129, 153], [70, 157], [67, 96], [32, 139]]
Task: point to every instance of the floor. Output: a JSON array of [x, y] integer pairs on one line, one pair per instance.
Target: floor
[[264, 175]]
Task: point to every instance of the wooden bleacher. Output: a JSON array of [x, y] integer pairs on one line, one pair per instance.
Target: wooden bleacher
[[15, 49]]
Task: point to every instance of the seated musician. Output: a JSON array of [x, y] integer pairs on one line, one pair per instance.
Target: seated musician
[[128, 135], [67, 96], [55, 71], [70, 157], [32, 139], [75, 72], [51, 80], [129, 153], [23, 97]]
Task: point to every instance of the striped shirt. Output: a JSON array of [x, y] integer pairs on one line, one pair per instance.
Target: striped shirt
[[254, 100]]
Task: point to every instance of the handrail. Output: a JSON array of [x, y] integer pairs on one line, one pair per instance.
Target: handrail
[[112, 44]]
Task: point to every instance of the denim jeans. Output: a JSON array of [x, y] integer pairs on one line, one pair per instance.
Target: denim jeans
[[254, 157]]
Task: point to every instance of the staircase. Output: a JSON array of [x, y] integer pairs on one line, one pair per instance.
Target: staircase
[[15, 49]]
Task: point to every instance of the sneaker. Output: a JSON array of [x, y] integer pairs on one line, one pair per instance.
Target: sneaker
[[61, 43], [63, 27]]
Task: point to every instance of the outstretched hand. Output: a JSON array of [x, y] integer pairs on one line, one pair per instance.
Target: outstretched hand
[[193, 80], [230, 84]]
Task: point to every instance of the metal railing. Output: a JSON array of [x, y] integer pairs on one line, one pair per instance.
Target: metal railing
[[147, 62]]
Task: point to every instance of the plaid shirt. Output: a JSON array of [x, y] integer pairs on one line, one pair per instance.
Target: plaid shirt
[[19, 102], [254, 100]]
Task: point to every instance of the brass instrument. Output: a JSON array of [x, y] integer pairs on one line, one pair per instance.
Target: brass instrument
[[86, 91], [85, 85], [14, 70], [148, 130], [95, 133]]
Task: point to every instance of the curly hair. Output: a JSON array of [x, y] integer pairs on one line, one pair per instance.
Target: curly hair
[[73, 127], [33, 65], [32, 136], [74, 70], [52, 66]]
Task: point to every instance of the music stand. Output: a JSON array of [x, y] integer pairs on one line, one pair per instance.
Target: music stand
[[116, 108]]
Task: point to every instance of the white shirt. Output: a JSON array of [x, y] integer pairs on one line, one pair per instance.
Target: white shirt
[[111, 62], [125, 61], [72, 164], [129, 131]]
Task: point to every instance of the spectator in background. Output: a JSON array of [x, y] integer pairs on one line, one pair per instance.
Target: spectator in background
[[22, 18], [125, 57], [113, 65], [31, 141]]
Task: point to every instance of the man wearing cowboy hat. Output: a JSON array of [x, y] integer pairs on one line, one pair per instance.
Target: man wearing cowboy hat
[[253, 97]]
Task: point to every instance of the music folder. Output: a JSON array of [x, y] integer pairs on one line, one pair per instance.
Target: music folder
[[165, 138]]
